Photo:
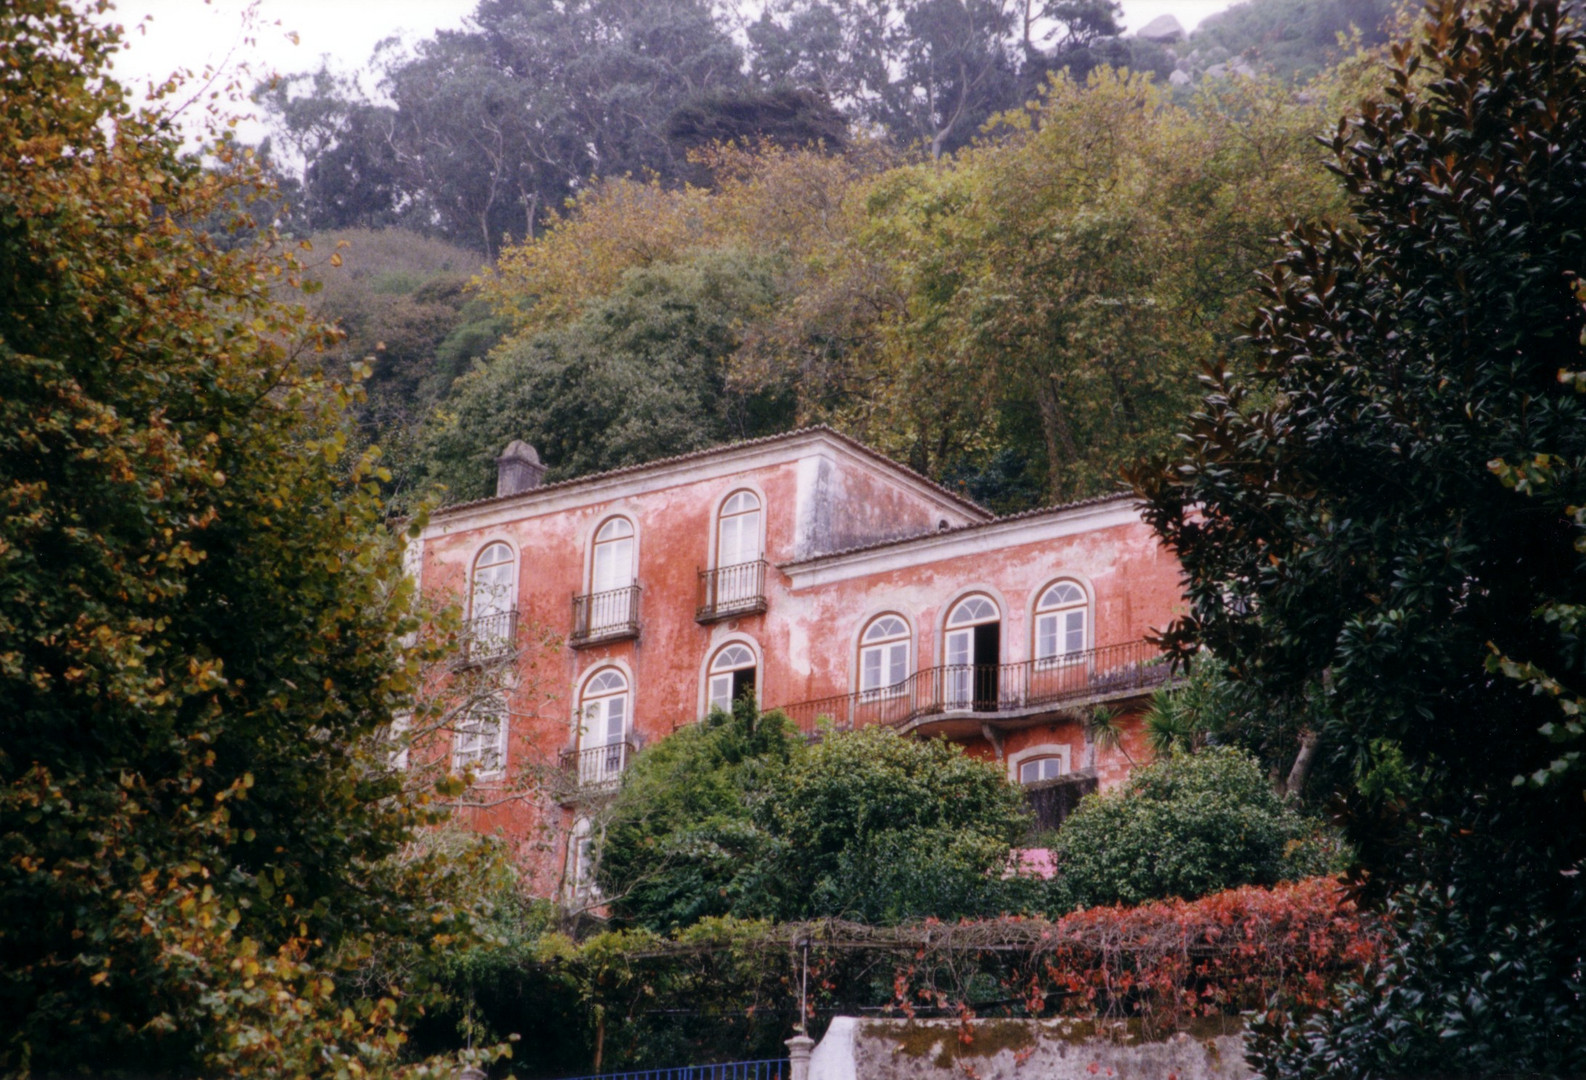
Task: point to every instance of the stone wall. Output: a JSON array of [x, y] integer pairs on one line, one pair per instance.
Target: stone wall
[[867, 1049]]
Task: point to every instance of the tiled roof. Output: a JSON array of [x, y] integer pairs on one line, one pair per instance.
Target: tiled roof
[[1097, 500], [696, 455]]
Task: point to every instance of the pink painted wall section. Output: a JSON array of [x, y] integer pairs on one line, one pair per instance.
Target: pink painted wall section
[[1132, 583]]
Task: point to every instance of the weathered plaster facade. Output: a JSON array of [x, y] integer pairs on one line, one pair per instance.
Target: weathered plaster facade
[[846, 537]]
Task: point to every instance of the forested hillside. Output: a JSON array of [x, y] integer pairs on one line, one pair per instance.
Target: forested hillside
[[965, 232]]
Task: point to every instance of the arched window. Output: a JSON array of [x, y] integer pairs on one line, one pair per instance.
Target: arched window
[[494, 575], [738, 530], [613, 563], [974, 649], [611, 608], [884, 657], [731, 676], [1060, 631], [1035, 770], [603, 733], [581, 858], [492, 602], [481, 738]]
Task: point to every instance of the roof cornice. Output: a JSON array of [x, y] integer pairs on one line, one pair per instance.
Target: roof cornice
[[632, 479], [1046, 523]]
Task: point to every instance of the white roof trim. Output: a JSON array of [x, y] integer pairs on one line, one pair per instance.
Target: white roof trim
[[959, 543], [728, 461]]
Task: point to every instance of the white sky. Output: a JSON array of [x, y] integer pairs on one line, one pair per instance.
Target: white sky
[[195, 33]]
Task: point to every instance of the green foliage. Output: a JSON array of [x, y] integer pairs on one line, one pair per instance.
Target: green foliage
[[871, 826], [739, 817], [1293, 39], [1494, 979], [1208, 705], [784, 116], [200, 617], [1187, 825], [682, 844], [473, 150], [404, 308], [1386, 507], [641, 375]]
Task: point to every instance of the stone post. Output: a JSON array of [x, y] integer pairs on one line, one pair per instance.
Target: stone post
[[798, 1053]]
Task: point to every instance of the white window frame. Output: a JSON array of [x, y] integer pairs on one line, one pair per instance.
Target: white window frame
[[750, 549], [719, 679], [958, 636], [581, 860], [614, 534], [1063, 752], [885, 651], [501, 596], [1059, 604], [479, 743], [599, 692]]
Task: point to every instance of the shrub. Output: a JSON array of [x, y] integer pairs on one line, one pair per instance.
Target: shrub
[[680, 844], [1185, 826], [738, 817], [875, 827]]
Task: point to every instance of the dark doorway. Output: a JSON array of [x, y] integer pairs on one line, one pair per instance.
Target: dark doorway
[[742, 683], [987, 655]]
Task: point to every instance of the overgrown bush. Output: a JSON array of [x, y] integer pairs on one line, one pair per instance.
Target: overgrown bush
[[871, 826], [1185, 826], [681, 843], [738, 816]]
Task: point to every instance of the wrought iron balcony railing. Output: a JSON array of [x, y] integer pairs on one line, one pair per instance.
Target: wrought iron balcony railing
[[489, 637], [1112, 670], [728, 591], [596, 768], [605, 616]]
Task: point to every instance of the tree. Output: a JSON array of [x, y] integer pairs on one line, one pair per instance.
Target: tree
[[200, 618], [782, 116], [930, 71], [492, 126], [872, 826], [1363, 518], [405, 311], [739, 817], [1051, 290], [681, 835], [1186, 826], [642, 375]]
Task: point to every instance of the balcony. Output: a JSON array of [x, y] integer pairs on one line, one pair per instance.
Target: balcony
[[605, 616], [488, 638], [967, 695], [594, 770], [730, 591]]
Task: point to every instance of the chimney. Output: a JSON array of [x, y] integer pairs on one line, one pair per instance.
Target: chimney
[[518, 469]]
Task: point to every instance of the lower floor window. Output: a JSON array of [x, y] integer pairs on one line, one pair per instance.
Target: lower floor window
[[481, 745], [1042, 768]]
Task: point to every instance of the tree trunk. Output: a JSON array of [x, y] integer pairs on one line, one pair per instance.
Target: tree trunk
[[1057, 433], [1302, 765]]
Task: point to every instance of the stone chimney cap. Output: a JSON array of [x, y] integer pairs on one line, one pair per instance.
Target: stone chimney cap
[[518, 450]]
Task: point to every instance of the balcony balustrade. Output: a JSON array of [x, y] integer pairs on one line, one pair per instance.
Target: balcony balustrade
[[489, 638], [730, 591], [605, 616], [989, 689], [595, 769]]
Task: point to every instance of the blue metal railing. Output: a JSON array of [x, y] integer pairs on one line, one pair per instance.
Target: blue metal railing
[[731, 1070]]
